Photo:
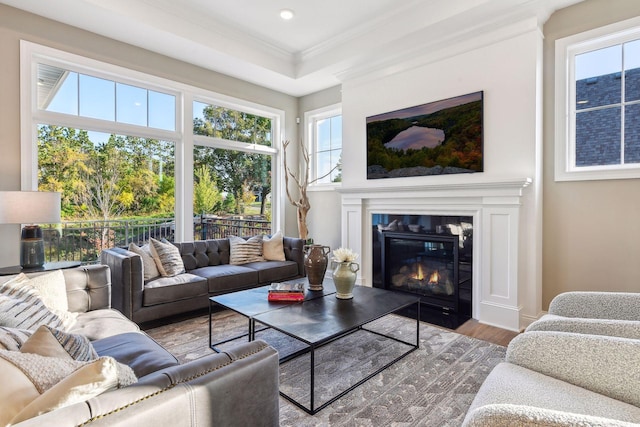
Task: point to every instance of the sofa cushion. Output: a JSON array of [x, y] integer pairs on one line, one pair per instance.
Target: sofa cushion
[[103, 323], [168, 289], [244, 251], [47, 341], [167, 258], [274, 271], [136, 350], [512, 384], [222, 278], [21, 306], [273, 248]]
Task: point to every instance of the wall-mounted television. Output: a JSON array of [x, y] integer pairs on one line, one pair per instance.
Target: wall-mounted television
[[437, 138]]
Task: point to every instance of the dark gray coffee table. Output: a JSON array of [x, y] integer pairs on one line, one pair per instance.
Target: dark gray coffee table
[[320, 320]]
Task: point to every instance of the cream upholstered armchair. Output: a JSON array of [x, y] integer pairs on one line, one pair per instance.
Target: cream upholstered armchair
[[599, 313]]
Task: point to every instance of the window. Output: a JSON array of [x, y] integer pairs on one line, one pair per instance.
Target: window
[[147, 147], [598, 104], [325, 142]]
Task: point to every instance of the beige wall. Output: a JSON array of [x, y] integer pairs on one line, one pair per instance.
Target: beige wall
[[591, 229], [16, 25]]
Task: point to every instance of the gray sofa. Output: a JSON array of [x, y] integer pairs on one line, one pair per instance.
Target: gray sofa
[[208, 273], [236, 388]]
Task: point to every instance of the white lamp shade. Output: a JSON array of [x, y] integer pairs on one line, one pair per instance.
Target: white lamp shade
[[29, 207]]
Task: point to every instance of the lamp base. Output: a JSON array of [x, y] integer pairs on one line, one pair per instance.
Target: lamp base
[[31, 247]]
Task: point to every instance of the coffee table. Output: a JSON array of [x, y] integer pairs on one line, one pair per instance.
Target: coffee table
[[320, 320]]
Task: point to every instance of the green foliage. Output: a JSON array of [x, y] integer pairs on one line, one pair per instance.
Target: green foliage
[[206, 195]]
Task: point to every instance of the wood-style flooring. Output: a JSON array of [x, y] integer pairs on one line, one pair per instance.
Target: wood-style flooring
[[475, 329]]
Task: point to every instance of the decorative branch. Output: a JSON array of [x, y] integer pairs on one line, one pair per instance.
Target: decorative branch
[[301, 180]]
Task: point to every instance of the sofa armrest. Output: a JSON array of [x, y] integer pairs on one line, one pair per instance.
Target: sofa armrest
[[506, 415], [294, 251], [597, 305], [237, 388], [598, 363], [127, 279], [88, 287], [609, 327]]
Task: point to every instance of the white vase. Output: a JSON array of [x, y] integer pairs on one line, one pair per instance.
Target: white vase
[[344, 278]]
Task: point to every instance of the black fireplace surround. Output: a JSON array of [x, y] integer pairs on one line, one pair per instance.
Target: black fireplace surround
[[429, 256]]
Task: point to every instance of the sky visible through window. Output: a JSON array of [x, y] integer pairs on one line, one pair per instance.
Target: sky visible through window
[[97, 98], [608, 60]]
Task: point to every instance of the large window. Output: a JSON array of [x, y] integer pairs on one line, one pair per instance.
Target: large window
[[325, 141], [598, 104], [122, 145]]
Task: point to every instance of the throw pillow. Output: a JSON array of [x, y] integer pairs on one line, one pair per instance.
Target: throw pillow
[[273, 247], [52, 288], [47, 341], [34, 384], [244, 251], [149, 267], [21, 306], [12, 339], [167, 258]]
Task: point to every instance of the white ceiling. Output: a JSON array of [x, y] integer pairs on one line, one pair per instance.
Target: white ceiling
[[325, 41]]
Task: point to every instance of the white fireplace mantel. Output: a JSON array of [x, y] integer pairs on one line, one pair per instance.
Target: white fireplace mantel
[[500, 269]]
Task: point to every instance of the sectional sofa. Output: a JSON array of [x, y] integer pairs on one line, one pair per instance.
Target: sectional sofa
[[207, 272], [236, 388]]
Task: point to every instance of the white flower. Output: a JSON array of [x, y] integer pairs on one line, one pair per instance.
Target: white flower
[[344, 255]]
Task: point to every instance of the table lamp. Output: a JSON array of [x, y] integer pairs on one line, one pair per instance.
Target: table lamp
[[29, 208]]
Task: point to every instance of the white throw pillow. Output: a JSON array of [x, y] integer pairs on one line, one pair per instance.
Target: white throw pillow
[[52, 289], [273, 247], [167, 258], [244, 251], [149, 267], [21, 306]]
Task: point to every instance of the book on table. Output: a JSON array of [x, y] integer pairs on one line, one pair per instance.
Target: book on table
[[286, 292]]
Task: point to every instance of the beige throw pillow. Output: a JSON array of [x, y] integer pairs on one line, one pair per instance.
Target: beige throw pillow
[[50, 342], [244, 251], [273, 247], [149, 267], [167, 258]]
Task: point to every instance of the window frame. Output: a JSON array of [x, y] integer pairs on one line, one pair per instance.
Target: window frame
[[31, 54], [310, 120], [566, 49]]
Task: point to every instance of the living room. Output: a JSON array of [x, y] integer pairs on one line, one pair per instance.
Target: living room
[[538, 236]]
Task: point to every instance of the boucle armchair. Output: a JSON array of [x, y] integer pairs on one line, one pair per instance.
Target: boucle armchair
[[561, 379], [598, 313]]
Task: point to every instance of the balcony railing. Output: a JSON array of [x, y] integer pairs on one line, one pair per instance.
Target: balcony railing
[[84, 240]]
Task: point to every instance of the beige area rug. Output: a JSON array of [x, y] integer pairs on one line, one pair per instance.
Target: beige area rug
[[433, 386]]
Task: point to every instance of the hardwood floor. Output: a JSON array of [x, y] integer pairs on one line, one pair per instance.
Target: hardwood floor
[[475, 329]]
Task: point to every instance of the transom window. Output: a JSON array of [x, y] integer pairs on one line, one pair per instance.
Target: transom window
[[598, 104]]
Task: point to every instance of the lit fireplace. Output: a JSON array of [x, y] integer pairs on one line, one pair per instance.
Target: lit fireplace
[[435, 264]]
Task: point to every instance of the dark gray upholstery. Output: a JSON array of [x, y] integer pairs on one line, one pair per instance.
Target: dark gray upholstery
[[208, 273]]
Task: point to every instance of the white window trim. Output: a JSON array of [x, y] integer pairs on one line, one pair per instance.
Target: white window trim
[[565, 49], [31, 54], [310, 118]]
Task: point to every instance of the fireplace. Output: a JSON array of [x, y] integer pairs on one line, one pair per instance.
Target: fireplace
[[429, 256]]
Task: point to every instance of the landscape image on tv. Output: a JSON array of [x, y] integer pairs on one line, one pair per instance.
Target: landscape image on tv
[[441, 137]]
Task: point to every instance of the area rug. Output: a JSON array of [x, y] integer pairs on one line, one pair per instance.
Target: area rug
[[432, 386]]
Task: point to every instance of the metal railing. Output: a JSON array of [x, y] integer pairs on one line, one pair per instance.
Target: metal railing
[[84, 240]]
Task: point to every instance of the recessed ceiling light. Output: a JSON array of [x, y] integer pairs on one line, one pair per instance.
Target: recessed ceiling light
[[286, 14]]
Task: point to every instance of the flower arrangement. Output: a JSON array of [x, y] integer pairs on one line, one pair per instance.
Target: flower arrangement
[[344, 255]]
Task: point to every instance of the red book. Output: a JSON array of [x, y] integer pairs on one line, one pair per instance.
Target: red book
[[286, 296]]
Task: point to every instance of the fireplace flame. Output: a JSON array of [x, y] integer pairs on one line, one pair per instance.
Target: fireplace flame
[[420, 273], [434, 278]]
